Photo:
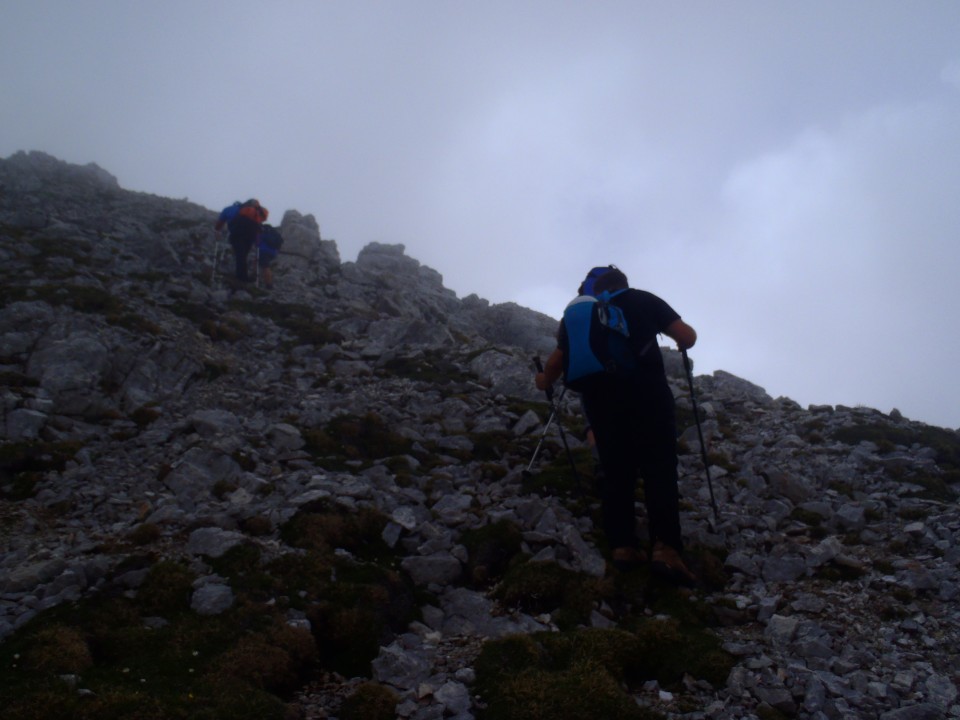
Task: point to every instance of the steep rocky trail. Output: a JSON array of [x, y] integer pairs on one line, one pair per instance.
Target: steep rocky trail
[[151, 412]]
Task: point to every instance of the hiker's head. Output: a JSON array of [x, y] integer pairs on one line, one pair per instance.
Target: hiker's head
[[613, 279], [587, 286]]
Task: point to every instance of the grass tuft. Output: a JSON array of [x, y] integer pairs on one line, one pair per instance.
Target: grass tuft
[[491, 549], [557, 677], [546, 587], [370, 701]]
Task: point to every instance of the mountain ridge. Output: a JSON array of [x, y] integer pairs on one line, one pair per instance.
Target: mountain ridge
[[154, 412]]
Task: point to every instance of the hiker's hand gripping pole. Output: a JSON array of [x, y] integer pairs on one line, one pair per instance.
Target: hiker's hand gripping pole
[[539, 366], [703, 447]]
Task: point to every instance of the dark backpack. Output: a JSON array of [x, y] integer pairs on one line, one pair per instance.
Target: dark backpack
[[245, 218], [598, 341], [271, 237]]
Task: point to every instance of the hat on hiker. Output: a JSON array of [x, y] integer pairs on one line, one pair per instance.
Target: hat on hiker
[[586, 287]]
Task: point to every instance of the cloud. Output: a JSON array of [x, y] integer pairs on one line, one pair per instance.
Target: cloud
[[951, 73], [839, 252], [784, 174]]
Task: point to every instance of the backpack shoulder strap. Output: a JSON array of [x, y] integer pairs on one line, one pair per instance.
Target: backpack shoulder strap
[[610, 315]]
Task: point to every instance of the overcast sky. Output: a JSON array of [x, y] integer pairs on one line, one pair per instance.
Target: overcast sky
[[785, 174]]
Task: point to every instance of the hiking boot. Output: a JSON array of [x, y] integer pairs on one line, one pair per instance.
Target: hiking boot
[[666, 562], [627, 558]]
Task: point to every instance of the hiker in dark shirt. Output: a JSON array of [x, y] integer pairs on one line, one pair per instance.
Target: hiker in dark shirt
[[632, 419], [243, 220]]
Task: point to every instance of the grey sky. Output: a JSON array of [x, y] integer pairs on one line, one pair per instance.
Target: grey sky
[[784, 174]]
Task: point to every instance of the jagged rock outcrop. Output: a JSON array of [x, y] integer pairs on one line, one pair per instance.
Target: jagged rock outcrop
[[140, 390]]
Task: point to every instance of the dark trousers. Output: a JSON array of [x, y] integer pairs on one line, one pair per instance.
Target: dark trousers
[[241, 249], [243, 235], [635, 432]]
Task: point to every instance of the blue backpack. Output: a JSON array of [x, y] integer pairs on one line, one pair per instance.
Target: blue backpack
[[271, 238], [598, 341], [241, 214], [230, 212]]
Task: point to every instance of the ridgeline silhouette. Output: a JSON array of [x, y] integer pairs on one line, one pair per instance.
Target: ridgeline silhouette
[[311, 501]]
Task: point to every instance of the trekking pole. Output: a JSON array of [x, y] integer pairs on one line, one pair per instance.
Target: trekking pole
[[703, 447], [217, 248], [563, 436], [543, 435]]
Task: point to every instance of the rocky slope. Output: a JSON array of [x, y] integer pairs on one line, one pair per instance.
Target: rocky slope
[[142, 393]]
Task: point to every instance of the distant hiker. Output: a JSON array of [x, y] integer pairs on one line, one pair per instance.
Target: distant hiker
[[243, 220], [268, 246], [630, 409]]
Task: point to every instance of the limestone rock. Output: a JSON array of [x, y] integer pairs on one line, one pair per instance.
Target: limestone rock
[[145, 399]]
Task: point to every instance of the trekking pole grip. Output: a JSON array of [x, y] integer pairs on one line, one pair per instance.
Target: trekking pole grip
[[539, 366]]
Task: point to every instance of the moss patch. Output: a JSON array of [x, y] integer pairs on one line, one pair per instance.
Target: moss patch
[[152, 657], [349, 437], [149, 655], [669, 649], [432, 366], [491, 549], [556, 477], [557, 676], [370, 701], [946, 443], [545, 587], [82, 298], [933, 487], [22, 465], [359, 613], [324, 527], [145, 415], [355, 604], [298, 320]]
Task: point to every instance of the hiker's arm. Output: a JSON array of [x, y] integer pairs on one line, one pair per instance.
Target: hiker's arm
[[551, 371], [684, 335]]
